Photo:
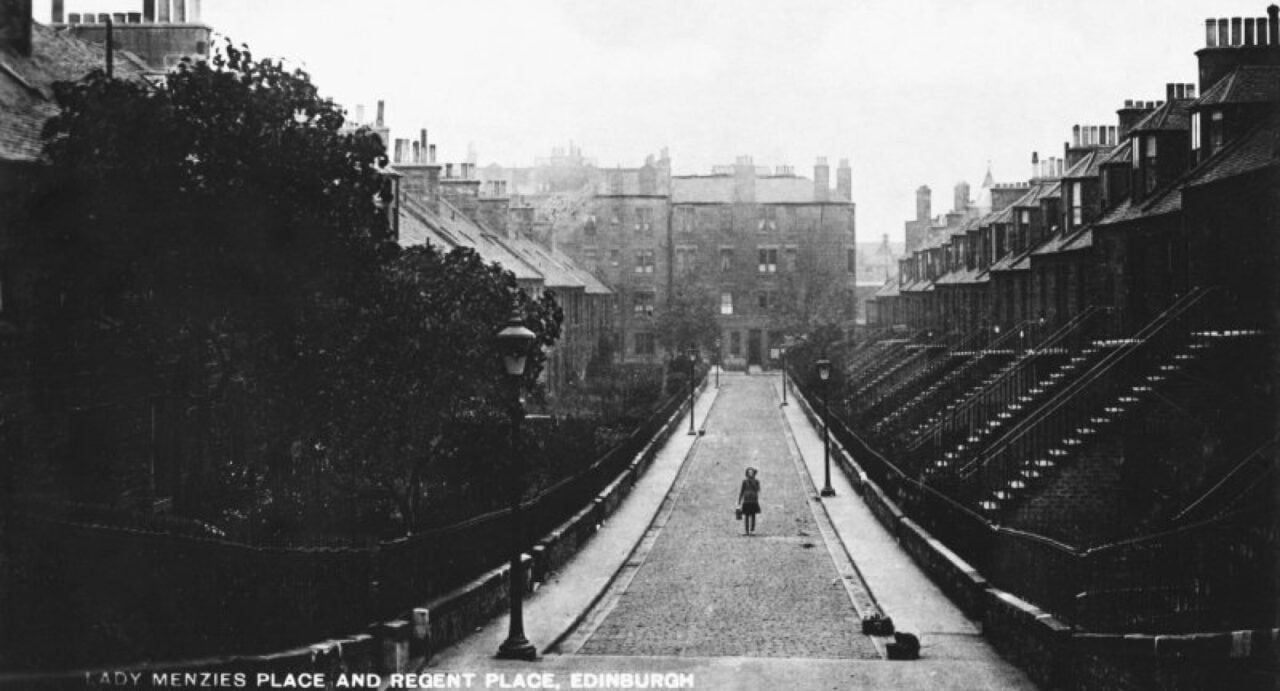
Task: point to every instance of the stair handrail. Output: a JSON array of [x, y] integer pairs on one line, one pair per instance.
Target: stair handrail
[[1103, 367], [880, 377], [978, 354], [1267, 446], [1060, 334]]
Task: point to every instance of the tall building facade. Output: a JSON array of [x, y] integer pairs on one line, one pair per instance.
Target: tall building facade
[[773, 251]]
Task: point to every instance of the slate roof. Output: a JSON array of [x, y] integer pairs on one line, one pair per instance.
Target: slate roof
[[1011, 262], [888, 290], [1255, 150], [1244, 84], [451, 228], [1119, 154], [963, 277], [1087, 167], [1172, 116], [26, 85]]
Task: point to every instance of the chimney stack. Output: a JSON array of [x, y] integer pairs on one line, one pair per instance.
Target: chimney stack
[[821, 180], [844, 181], [381, 112], [1035, 164], [923, 203], [431, 154], [1273, 28], [58, 12], [961, 197]]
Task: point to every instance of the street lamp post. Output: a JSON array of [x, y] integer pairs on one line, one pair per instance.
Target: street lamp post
[[514, 342], [824, 373], [719, 357], [693, 350], [783, 350]]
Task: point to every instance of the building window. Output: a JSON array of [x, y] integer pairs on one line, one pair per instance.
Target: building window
[[644, 343], [789, 258], [726, 303], [644, 219], [686, 259], [615, 258], [644, 262], [589, 228], [767, 299], [1077, 204], [1151, 177], [1215, 131], [642, 303], [768, 219], [735, 343], [768, 260], [686, 219], [851, 260], [726, 259]]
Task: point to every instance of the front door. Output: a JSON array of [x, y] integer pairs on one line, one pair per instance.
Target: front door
[[754, 347]]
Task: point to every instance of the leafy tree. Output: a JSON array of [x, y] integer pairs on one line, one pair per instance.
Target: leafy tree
[[812, 295], [689, 317], [220, 241]]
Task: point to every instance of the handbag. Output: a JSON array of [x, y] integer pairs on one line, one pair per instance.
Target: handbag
[[737, 513]]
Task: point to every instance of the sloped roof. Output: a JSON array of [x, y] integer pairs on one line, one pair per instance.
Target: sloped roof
[[1171, 117], [451, 228], [1244, 84], [888, 290], [1119, 154], [1011, 262], [963, 277], [26, 85], [1256, 149], [1087, 167]]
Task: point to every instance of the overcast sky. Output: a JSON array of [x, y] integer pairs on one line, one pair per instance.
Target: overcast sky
[[911, 91]]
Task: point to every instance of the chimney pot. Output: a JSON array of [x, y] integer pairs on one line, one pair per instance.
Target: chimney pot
[[448, 170], [1237, 31], [1211, 33], [417, 153], [431, 153], [1224, 33], [381, 112], [1075, 135], [1273, 25], [1248, 31], [1260, 27], [57, 11], [73, 18], [1191, 91], [162, 11], [1170, 91], [179, 11]]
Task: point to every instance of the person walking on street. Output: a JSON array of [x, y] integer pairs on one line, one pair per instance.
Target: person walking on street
[[749, 501]]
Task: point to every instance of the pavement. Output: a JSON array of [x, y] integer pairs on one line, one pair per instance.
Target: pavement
[[670, 585]]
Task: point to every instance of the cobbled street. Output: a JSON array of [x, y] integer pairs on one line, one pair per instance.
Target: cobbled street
[[705, 588]]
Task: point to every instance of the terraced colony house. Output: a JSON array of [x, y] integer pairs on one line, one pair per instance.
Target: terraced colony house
[[1065, 381]]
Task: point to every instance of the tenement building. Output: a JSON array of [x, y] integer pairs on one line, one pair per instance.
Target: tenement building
[[772, 251]]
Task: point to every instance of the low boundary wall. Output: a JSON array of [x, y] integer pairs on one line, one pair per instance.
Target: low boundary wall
[[1053, 654]]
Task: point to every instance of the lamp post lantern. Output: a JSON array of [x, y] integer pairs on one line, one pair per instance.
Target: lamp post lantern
[[824, 373], [693, 352], [514, 343]]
